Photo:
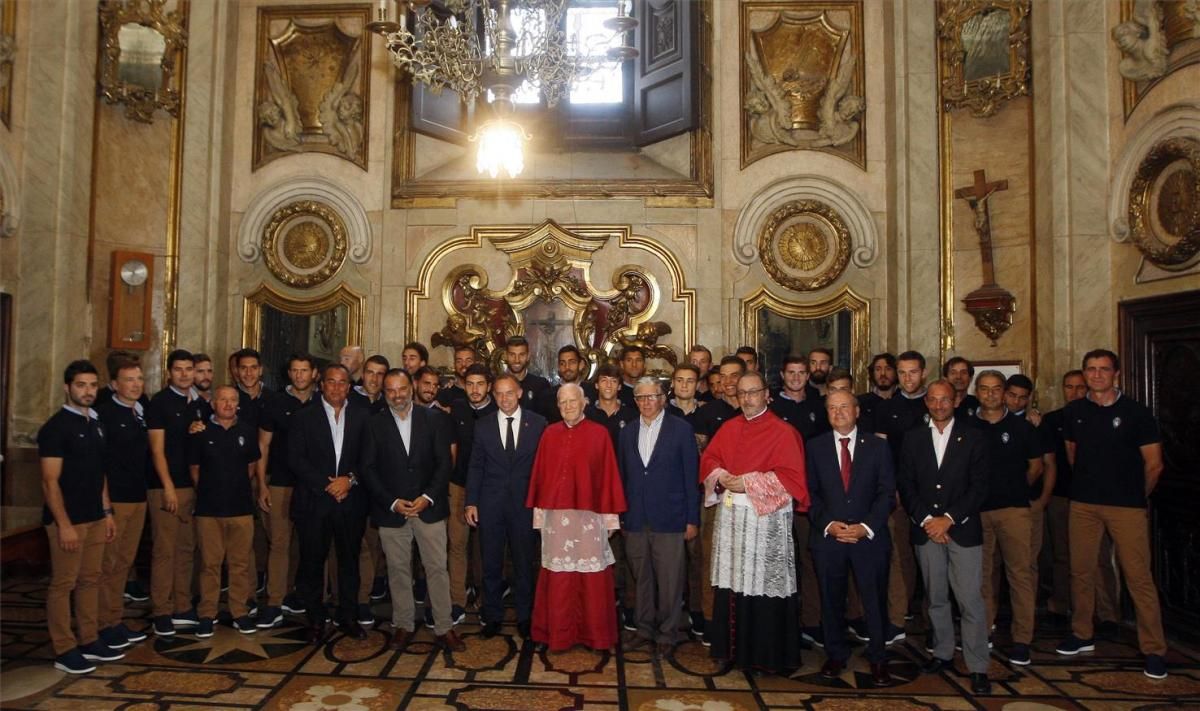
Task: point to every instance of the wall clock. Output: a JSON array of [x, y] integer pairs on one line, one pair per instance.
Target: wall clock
[[130, 299]]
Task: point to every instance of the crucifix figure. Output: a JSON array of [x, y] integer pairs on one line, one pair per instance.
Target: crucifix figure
[[991, 304], [546, 334]]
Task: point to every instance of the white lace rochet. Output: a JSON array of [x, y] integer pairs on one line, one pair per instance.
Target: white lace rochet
[[753, 554], [575, 541]]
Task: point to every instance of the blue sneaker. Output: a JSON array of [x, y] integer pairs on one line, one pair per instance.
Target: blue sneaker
[[269, 617], [245, 625], [1156, 667], [457, 615], [292, 604], [1019, 655], [365, 616], [132, 636], [858, 629], [1072, 645], [98, 651], [163, 627], [72, 662], [204, 630], [185, 619], [112, 637]]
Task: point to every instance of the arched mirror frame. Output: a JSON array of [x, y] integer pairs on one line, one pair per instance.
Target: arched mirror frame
[[342, 295]]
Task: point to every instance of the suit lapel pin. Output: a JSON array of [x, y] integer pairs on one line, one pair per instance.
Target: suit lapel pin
[[958, 439]]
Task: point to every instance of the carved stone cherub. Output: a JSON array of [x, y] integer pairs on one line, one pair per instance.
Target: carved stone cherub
[[647, 336], [280, 113], [770, 110], [459, 333], [341, 113], [1142, 42]]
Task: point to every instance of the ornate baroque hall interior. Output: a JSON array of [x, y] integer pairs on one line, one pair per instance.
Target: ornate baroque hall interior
[[1016, 182]]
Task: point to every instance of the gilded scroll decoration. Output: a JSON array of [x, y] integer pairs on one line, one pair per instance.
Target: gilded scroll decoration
[[804, 245], [1155, 38], [311, 88], [1164, 203], [304, 243], [802, 79], [983, 49], [141, 44]]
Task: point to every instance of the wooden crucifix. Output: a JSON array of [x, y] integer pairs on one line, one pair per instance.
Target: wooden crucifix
[[991, 305]]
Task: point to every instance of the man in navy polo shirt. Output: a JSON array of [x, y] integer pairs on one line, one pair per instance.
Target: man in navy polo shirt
[[78, 520]]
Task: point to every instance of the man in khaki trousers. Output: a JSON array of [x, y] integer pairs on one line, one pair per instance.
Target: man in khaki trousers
[[78, 520]]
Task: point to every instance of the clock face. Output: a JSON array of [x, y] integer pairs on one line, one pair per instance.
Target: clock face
[[134, 272]]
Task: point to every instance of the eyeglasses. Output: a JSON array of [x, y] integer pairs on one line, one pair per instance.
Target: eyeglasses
[[646, 398], [744, 393]]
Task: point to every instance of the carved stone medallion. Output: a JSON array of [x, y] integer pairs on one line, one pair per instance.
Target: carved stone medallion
[[804, 245], [1164, 203], [304, 243]]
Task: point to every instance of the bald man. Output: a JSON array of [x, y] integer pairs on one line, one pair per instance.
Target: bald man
[[353, 358]]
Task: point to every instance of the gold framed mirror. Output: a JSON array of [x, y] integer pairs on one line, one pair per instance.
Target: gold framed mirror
[[776, 328], [983, 48], [142, 44], [278, 325]]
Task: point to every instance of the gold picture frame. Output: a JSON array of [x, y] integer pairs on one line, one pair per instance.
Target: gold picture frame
[[755, 307], [141, 47], [264, 295], [983, 54], [304, 244]]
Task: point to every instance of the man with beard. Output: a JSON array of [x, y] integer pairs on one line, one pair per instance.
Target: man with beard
[[1015, 459], [370, 393], [793, 403], [248, 374], [465, 415], [126, 464], [716, 413], [701, 357], [959, 371], [464, 357], [883, 386], [426, 381], [276, 482], [406, 467], [202, 375], [633, 367], [533, 386], [571, 369], [576, 496], [173, 412], [753, 473], [943, 480], [820, 362], [502, 454], [414, 357], [78, 518], [352, 358]]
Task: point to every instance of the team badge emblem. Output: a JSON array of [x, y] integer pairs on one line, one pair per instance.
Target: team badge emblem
[[241, 441], [1004, 437], [812, 416], [926, 418], [1116, 422]]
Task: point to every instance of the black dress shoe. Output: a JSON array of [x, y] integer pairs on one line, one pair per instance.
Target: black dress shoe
[[490, 629], [315, 634], [523, 629], [935, 665], [832, 668], [980, 684], [880, 675], [352, 629]]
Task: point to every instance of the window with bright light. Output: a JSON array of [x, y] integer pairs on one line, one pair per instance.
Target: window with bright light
[[605, 85]]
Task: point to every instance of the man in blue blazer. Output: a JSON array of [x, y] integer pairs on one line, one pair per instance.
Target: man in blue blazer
[[852, 487], [659, 469], [497, 484]]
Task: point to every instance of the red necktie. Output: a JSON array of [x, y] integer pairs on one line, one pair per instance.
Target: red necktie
[[845, 463]]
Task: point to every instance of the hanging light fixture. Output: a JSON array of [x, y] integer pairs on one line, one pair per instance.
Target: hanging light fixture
[[475, 48]]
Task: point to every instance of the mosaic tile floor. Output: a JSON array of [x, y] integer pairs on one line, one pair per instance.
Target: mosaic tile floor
[[274, 669]]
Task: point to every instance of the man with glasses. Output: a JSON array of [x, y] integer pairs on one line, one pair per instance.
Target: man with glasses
[[753, 472], [658, 462]]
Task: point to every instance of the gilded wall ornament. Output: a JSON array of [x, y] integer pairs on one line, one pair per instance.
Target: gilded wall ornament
[[141, 46], [1164, 203], [311, 91], [802, 79], [304, 243], [804, 245], [983, 50], [1156, 38]]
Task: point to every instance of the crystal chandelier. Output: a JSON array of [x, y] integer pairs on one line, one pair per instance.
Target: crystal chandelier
[[488, 49]]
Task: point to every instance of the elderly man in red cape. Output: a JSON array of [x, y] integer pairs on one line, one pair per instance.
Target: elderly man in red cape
[[576, 495], [753, 471]]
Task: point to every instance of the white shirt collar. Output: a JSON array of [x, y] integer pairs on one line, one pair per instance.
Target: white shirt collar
[[749, 418], [90, 412], [486, 401]]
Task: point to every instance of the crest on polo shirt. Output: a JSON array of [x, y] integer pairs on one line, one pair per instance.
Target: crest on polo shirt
[[812, 416], [925, 417], [971, 413], [241, 441], [1004, 437], [1116, 422]]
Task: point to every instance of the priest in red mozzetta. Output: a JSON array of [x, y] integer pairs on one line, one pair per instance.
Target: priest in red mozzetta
[[753, 472], [576, 496]]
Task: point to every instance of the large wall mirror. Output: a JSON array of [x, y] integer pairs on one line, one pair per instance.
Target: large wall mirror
[[279, 325], [777, 328]]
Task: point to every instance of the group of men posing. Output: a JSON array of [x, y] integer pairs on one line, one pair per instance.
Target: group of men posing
[[614, 501]]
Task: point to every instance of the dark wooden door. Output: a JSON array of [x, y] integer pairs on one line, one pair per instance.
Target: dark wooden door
[[1160, 353]]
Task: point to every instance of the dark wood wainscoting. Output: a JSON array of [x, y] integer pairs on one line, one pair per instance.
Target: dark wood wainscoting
[[1160, 353]]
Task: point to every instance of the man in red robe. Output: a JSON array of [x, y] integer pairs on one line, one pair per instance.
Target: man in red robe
[[576, 496], [753, 472]]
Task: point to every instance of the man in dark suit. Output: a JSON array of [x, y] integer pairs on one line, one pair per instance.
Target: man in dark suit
[[497, 485], [943, 481], [659, 466], [406, 467], [852, 490], [324, 446]]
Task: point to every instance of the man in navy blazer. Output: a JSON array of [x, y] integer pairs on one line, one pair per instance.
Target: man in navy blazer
[[497, 484], [406, 467], [852, 488], [324, 445], [943, 481], [659, 467]]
